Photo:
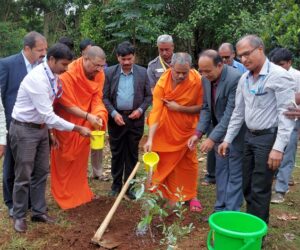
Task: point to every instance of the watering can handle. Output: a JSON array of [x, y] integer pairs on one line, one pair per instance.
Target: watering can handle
[[246, 246], [209, 246]]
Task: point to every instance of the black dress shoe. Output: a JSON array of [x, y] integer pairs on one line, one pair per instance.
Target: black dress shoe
[[113, 193], [10, 212], [20, 225], [130, 195], [43, 218]]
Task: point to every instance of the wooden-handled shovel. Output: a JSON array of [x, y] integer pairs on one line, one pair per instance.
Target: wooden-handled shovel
[[99, 233]]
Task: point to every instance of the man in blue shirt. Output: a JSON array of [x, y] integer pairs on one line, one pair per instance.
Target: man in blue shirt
[[226, 51], [126, 96]]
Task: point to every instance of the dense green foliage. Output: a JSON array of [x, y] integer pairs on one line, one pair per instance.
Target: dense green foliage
[[195, 25]]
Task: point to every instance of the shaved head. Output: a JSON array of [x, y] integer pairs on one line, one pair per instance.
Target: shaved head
[[95, 52], [94, 60]]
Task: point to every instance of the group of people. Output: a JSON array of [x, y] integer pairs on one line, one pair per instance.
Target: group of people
[[244, 109]]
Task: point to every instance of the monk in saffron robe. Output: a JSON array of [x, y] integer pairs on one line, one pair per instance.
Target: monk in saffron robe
[[81, 103], [177, 100]]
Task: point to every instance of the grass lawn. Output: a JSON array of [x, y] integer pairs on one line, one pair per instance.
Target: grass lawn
[[284, 227]]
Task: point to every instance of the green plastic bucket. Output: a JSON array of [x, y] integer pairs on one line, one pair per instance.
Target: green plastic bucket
[[231, 230]]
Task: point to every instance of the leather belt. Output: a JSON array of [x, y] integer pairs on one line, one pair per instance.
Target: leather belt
[[125, 112], [28, 124], [263, 131]]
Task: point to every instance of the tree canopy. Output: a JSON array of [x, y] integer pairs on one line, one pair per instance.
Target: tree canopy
[[195, 25]]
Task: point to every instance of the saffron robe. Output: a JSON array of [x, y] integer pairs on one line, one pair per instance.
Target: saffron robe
[[177, 170], [69, 163]]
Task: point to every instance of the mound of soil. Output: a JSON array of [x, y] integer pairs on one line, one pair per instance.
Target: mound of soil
[[86, 219]]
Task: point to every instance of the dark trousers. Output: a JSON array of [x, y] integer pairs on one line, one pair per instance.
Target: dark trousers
[[210, 176], [30, 149], [8, 175], [211, 162], [257, 176], [124, 143]]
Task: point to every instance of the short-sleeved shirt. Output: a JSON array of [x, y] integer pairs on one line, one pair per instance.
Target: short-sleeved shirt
[[155, 70]]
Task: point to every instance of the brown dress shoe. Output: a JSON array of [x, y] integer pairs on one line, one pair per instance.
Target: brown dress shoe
[[43, 218], [20, 225]]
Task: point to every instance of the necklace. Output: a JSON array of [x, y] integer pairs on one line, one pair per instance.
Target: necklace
[[163, 63]]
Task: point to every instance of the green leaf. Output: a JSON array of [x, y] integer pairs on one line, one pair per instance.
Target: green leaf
[[139, 192]]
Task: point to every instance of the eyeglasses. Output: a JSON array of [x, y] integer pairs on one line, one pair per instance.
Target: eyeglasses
[[246, 54], [98, 66]]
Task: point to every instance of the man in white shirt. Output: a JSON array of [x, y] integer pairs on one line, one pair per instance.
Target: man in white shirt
[[283, 57], [32, 116], [263, 94]]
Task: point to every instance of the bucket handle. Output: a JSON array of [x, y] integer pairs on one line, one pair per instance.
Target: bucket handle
[[246, 246], [209, 246]]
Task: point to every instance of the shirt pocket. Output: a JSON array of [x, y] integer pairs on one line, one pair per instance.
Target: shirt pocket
[[158, 72], [261, 100]]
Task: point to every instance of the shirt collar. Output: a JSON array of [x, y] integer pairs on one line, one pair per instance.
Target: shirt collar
[[264, 70], [27, 63], [51, 75], [216, 82], [131, 71], [234, 64]]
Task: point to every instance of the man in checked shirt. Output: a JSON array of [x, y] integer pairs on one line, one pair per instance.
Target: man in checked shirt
[[263, 94]]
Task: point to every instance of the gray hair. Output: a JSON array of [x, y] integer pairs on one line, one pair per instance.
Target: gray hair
[[254, 40], [164, 39], [31, 38], [225, 46], [181, 58], [95, 51]]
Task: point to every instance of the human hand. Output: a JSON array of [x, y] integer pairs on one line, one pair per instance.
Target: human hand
[[95, 121], [192, 141], [275, 158], [53, 141], [84, 131], [222, 149], [293, 113], [136, 114], [2, 150], [207, 145], [119, 120], [148, 146], [172, 105]]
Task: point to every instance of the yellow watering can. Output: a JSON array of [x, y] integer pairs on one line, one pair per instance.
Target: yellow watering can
[[97, 139], [150, 160]]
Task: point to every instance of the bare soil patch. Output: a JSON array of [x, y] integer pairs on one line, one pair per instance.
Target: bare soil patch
[[86, 219]]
